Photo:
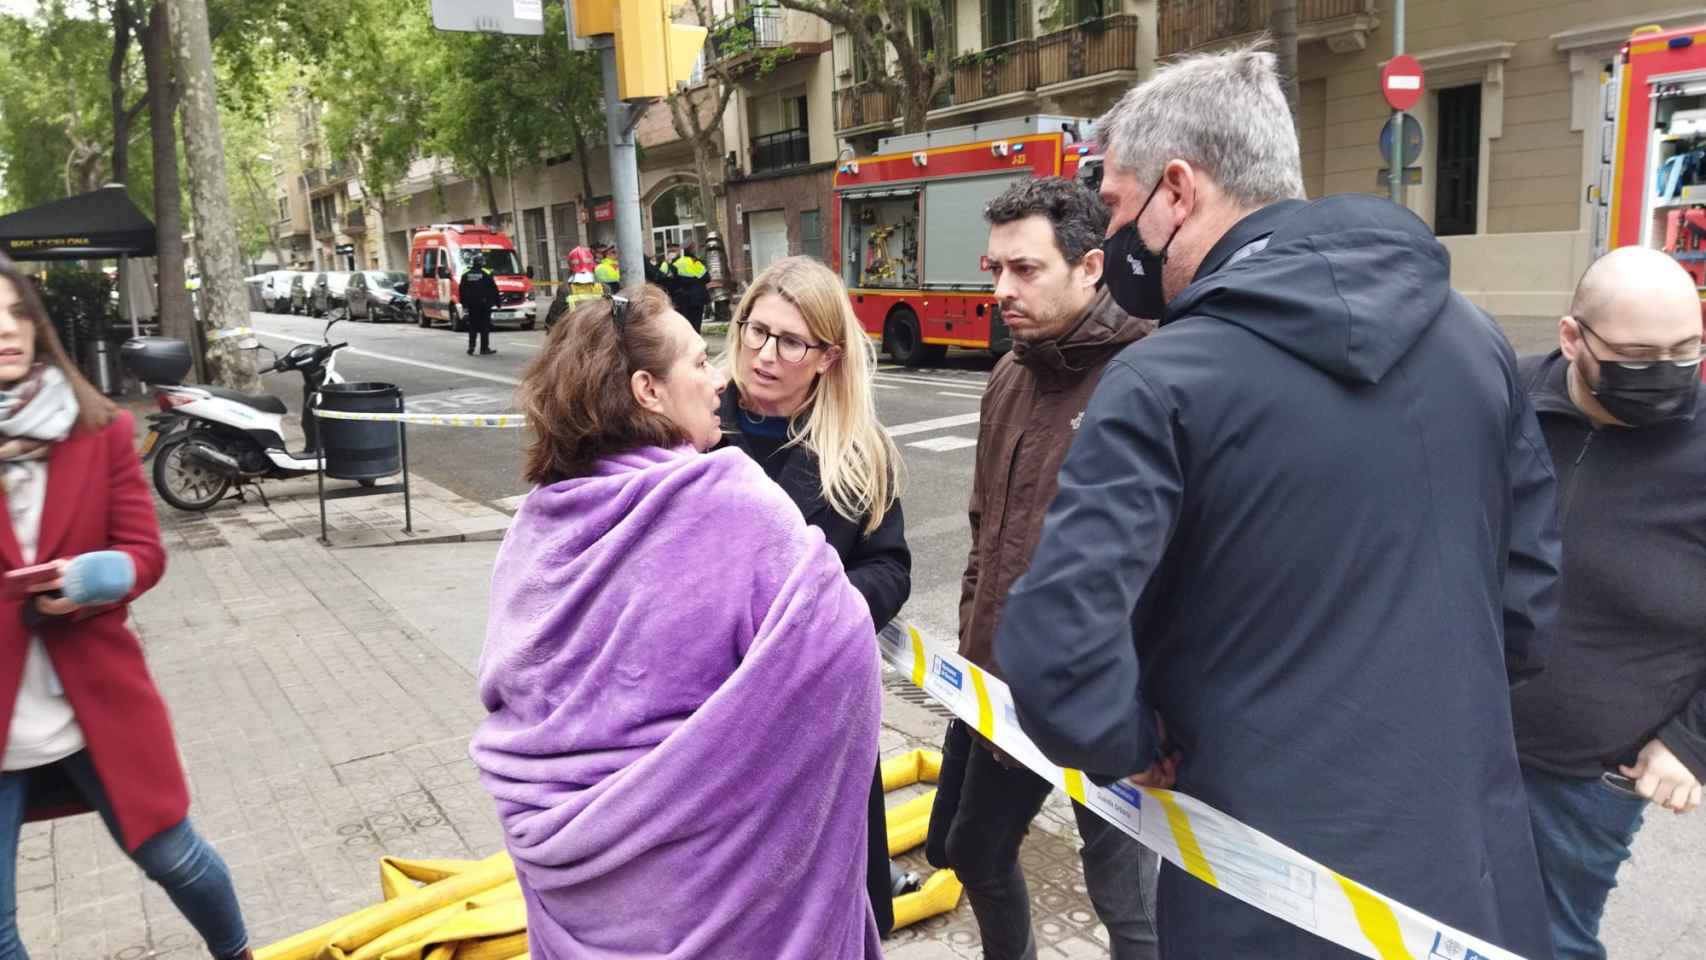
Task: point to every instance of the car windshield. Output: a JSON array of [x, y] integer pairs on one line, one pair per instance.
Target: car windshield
[[500, 262], [385, 279], [337, 282]]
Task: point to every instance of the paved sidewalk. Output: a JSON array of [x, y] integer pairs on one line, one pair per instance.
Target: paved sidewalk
[[323, 700], [321, 729]]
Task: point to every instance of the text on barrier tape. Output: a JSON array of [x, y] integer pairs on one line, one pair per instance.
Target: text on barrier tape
[[225, 333], [1209, 845], [507, 421]]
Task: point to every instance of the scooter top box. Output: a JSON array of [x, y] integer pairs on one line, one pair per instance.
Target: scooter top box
[[156, 359]]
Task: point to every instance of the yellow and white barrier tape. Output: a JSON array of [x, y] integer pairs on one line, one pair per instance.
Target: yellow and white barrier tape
[[228, 332], [1209, 845], [505, 421]]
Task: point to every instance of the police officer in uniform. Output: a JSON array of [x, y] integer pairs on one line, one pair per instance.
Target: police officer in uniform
[[691, 291], [479, 294]]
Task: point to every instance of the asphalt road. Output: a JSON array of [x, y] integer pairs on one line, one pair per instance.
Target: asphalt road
[[932, 413]]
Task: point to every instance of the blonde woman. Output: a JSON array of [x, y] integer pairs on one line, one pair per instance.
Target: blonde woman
[[799, 403]]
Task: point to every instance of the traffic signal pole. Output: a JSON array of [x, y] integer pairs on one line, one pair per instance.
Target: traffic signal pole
[[619, 117]]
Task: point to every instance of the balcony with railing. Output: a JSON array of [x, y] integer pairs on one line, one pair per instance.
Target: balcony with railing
[[781, 150], [1001, 70], [741, 39], [1100, 50], [1186, 25], [355, 220], [313, 178], [864, 106]]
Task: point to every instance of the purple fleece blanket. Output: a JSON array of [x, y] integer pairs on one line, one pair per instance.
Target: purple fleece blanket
[[683, 701]]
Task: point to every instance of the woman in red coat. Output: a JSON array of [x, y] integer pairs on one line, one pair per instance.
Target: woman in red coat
[[82, 725]]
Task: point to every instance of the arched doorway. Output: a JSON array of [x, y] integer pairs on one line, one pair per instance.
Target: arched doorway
[[676, 217]]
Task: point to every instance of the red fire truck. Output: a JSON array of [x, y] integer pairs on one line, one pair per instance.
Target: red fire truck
[[1651, 188], [907, 229]]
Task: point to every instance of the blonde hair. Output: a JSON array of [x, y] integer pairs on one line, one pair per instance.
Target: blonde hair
[[858, 463]]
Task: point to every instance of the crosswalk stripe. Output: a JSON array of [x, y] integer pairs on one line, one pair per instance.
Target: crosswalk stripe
[[925, 426], [944, 444]]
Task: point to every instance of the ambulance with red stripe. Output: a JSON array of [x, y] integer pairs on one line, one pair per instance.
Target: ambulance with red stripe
[[907, 230]]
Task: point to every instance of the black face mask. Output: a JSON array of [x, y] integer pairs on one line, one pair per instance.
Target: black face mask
[[1645, 394], [1132, 272]]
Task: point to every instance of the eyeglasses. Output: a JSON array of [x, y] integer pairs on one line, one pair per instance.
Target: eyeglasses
[[1684, 354], [756, 337]]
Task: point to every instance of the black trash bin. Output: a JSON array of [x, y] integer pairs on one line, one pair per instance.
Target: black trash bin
[[361, 449]]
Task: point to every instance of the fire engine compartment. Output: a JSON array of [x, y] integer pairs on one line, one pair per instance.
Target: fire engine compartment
[[882, 239], [1676, 170]]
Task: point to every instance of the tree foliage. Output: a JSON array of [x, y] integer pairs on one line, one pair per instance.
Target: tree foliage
[[56, 129], [888, 39]]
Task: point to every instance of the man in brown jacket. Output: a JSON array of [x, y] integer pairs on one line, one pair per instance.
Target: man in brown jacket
[[1046, 260]]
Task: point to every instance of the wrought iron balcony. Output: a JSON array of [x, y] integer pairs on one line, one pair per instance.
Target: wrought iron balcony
[[781, 150], [1107, 45], [1186, 25]]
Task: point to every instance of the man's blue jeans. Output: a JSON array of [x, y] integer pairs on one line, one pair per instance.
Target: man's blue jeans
[[178, 859], [1582, 831]]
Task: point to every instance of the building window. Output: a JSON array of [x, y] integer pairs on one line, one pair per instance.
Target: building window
[[1458, 161], [535, 220], [565, 226], [924, 32], [1005, 21], [811, 233], [325, 215], [781, 131], [283, 208]]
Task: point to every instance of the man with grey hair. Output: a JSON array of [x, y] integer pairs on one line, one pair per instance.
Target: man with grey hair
[[1305, 540]]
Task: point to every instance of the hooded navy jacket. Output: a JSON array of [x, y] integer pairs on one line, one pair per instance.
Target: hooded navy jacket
[[1309, 522]]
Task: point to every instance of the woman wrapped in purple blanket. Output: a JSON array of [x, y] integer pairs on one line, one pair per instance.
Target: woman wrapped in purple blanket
[[681, 685]]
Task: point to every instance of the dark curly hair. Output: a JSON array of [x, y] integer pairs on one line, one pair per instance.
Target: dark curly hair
[[1079, 219]]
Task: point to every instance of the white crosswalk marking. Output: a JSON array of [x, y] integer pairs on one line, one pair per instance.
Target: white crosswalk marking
[[926, 426], [944, 444]]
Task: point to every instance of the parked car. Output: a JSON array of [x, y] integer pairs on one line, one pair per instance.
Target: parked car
[[329, 293], [275, 290], [300, 286], [375, 295]]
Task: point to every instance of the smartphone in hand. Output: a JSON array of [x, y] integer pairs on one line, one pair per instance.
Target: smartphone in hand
[[16, 584], [1621, 784]]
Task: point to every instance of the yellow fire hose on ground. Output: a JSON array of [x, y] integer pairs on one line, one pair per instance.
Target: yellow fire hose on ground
[[472, 909]]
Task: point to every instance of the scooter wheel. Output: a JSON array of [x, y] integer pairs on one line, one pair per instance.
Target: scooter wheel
[[182, 482]]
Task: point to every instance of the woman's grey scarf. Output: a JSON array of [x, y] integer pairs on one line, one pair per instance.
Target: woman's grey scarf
[[36, 413]]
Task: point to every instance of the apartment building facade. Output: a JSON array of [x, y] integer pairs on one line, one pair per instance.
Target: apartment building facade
[[1511, 90], [1504, 166]]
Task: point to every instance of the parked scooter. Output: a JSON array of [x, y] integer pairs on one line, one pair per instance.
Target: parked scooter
[[207, 440]]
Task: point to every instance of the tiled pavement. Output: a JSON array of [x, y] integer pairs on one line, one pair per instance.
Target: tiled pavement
[[320, 731]]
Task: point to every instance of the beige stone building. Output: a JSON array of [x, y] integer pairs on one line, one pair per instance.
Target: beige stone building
[[1511, 87], [1507, 127], [1509, 131]]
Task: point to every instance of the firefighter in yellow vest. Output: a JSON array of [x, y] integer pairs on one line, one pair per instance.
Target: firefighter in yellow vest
[[581, 287]]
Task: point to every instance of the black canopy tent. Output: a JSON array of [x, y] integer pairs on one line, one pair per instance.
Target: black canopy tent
[[101, 225]]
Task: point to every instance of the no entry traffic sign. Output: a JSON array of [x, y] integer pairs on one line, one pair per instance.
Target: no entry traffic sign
[[1401, 82]]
